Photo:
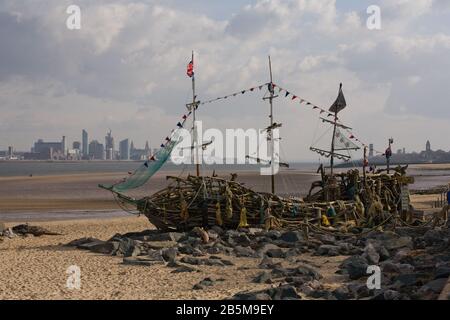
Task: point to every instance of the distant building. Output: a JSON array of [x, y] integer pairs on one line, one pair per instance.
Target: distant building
[[124, 149], [428, 146], [64, 146], [96, 150], [76, 145], [47, 150], [109, 146], [10, 151], [85, 144], [371, 150]]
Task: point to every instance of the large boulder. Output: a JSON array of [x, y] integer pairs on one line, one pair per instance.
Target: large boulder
[[291, 236], [355, 267]]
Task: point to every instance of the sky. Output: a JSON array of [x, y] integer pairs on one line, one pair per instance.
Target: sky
[[125, 69]]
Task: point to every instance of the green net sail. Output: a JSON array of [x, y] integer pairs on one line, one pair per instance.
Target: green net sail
[[142, 174]]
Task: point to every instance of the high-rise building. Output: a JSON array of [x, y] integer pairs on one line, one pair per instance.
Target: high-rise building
[[109, 146], [64, 146], [428, 146], [371, 150], [85, 144], [124, 149], [76, 145], [96, 150], [10, 151]]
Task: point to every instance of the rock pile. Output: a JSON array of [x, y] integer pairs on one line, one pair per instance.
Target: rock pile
[[414, 262], [23, 230]]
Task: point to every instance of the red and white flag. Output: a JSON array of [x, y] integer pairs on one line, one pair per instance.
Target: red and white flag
[[190, 69]]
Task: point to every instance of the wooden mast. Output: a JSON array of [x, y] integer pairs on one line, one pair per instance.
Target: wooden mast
[[194, 130], [332, 142], [271, 97]]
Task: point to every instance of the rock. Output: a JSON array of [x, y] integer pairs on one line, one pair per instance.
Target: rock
[[243, 240], [371, 254], [317, 294], [160, 244], [284, 292], [291, 236], [198, 287], [435, 286], [359, 290], [207, 262], [207, 282], [281, 272], [213, 235], [244, 251], [328, 250], [326, 239], [191, 260], [2, 227], [155, 255], [227, 262], [406, 280], [89, 243], [275, 253], [109, 247], [268, 263], [397, 243], [169, 254], [259, 295], [442, 272], [356, 267], [307, 270], [263, 277], [186, 249], [255, 231], [391, 295], [217, 230], [184, 268], [273, 234], [126, 247], [36, 231], [140, 261], [343, 293], [433, 236], [79, 242], [9, 233]]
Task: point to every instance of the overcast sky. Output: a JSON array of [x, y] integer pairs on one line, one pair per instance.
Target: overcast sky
[[126, 68]]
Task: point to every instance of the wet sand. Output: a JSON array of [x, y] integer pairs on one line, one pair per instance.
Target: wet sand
[[29, 196]]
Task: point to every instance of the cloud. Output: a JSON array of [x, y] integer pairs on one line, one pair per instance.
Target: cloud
[[125, 69]]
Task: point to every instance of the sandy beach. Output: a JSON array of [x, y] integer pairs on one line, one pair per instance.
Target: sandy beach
[[35, 268]]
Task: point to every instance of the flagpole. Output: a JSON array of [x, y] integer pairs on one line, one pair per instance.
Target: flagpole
[[194, 130]]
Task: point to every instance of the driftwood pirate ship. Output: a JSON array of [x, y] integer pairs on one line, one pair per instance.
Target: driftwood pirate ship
[[348, 202]]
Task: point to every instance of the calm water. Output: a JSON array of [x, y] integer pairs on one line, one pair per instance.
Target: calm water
[[40, 168], [423, 178]]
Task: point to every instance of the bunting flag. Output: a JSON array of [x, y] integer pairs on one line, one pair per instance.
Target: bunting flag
[[294, 97], [184, 117], [162, 145], [234, 94], [179, 125]]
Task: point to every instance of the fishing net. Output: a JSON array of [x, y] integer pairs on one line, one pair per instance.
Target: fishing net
[[341, 142], [142, 174]]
